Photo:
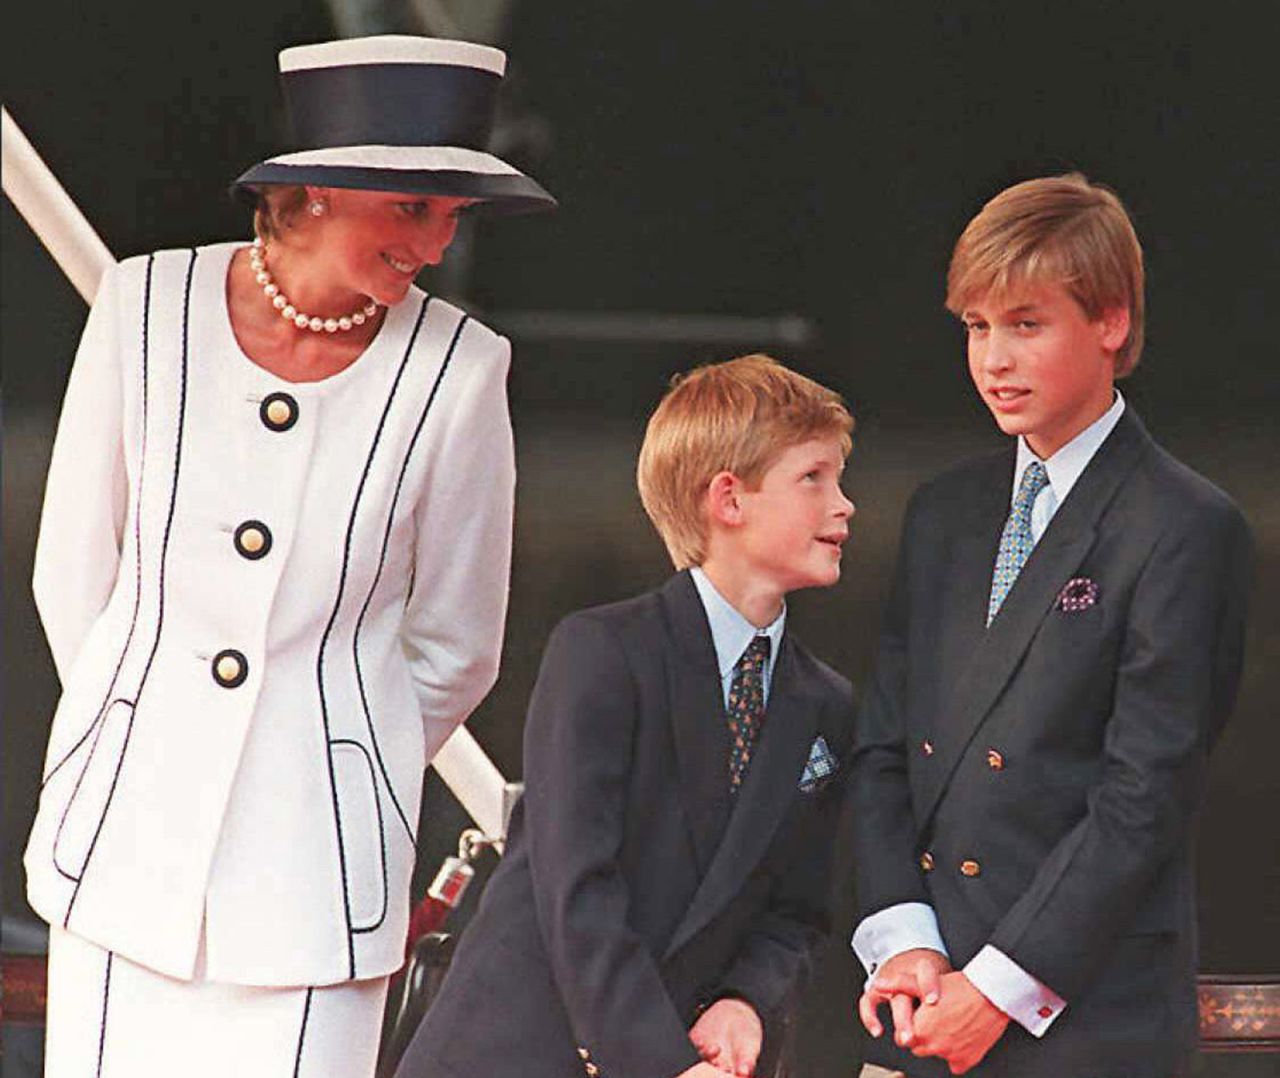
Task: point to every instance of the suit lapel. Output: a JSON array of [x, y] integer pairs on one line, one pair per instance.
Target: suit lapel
[[776, 764], [968, 573], [699, 727], [998, 651]]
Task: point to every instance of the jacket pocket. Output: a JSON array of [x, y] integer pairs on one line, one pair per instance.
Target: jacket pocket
[[90, 796], [361, 832]]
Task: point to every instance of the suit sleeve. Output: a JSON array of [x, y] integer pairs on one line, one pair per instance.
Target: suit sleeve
[[886, 872], [776, 959], [453, 624], [82, 522], [578, 737], [1175, 686]]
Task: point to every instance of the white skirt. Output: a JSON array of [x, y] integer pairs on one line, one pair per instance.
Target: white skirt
[[111, 1018]]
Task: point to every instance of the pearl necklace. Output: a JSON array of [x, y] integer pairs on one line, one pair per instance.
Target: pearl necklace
[[258, 261]]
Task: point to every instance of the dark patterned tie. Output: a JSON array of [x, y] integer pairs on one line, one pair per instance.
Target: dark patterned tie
[[1016, 542], [746, 708]]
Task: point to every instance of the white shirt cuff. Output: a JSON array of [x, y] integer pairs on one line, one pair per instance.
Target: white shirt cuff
[[1034, 1006], [895, 929]]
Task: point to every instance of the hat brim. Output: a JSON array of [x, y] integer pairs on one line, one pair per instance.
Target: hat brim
[[498, 187]]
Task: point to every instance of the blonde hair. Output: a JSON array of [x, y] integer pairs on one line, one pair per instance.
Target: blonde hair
[[277, 206], [1056, 229], [738, 416]]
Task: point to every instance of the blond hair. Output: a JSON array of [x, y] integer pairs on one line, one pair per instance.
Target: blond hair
[[738, 416], [276, 207], [1056, 229]]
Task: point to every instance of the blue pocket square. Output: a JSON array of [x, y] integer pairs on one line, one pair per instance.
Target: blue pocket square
[[820, 766]]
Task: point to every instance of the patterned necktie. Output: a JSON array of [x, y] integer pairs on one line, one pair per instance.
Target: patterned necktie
[[746, 708], [1016, 541]]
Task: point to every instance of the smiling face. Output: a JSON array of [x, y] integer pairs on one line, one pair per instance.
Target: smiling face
[[793, 525], [1040, 364], [374, 243]]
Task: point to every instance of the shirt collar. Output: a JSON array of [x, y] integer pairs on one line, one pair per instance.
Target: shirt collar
[[730, 631], [1069, 462]]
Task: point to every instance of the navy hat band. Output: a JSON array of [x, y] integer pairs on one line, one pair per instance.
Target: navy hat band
[[391, 105], [496, 193]]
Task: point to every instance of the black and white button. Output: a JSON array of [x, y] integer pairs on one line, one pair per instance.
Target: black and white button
[[278, 412], [253, 540], [230, 668]]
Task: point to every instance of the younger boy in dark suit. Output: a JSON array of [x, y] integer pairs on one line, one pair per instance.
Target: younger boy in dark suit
[[1061, 648], [666, 876]]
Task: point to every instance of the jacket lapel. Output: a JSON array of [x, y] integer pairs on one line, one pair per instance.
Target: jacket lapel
[[998, 651], [969, 571], [776, 764], [699, 727]]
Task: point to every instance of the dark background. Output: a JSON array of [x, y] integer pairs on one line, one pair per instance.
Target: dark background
[[746, 158]]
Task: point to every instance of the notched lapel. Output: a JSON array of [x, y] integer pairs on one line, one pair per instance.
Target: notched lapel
[[790, 723], [1052, 563], [698, 723], [968, 573], [702, 749]]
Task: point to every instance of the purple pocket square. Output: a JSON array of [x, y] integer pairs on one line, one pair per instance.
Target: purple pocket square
[[1079, 593]]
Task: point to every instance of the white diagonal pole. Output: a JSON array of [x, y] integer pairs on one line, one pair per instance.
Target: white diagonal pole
[[58, 223], [48, 209]]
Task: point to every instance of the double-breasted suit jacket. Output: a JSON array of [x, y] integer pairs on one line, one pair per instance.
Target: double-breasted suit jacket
[[1036, 782], [269, 604], [634, 889]]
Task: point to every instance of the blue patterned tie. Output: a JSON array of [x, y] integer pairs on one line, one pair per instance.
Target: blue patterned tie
[[1016, 541], [746, 708]]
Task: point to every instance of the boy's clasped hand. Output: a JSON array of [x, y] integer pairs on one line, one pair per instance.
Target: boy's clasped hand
[[728, 1035], [936, 1010]]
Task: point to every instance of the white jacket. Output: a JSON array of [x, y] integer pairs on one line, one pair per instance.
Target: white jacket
[[271, 801]]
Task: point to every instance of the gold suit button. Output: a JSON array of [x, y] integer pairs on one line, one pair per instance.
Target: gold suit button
[[970, 868], [591, 1069], [926, 746], [253, 540], [926, 861], [230, 668], [583, 1053], [278, 412], [994, 760]]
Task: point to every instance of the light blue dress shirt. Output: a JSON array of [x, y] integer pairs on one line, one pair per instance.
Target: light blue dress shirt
[[1064, 467], [731, 633]]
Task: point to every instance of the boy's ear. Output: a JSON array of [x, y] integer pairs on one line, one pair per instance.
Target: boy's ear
[[1114, 325], [724, 503]]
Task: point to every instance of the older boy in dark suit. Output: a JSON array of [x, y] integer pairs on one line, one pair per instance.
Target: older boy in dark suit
[[667, 871], [1061, 649]]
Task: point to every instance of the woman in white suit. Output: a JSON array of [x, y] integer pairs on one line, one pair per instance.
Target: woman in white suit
[[272, 569]]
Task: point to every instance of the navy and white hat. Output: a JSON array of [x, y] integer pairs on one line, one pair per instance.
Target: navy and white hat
[[396, 113]]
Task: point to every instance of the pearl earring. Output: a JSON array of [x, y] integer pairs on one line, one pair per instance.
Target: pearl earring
[[317, 207]]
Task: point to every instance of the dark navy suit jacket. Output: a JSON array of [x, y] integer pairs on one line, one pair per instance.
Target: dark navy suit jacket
[[634, 889], [1101, 720]]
